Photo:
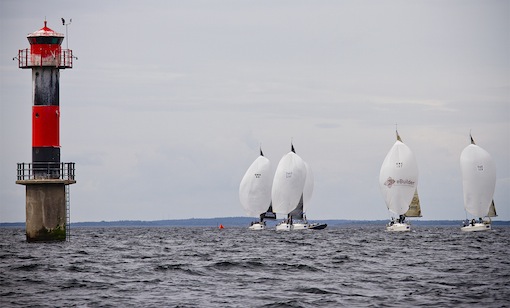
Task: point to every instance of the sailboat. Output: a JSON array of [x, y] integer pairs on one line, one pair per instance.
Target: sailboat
[[398, 180], [299, 220], [288, 185], [478, 183], [255, 192]]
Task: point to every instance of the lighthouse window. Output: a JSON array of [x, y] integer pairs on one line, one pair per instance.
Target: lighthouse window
[[46, 40]]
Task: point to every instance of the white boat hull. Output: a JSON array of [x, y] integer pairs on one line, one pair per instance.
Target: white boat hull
[[398, 227], [257, 226], [284, 227], [300, 226], [476, 227]]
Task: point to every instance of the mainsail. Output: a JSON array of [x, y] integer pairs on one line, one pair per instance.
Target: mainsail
[[298, 212], [492, 210], [255, 187], [269, 214], [478, 180], [414, 207], [398, 178], [288, 184]]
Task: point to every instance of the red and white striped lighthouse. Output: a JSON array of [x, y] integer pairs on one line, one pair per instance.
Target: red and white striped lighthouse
[[46, 178]]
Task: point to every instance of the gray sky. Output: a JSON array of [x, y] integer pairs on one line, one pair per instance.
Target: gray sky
[[167, 105]]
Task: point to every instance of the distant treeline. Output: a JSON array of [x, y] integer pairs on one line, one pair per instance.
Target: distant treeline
[[240, 222]]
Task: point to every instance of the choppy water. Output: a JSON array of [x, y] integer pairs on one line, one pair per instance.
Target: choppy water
[[206, 267]]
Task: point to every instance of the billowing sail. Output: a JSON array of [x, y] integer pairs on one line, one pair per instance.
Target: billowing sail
[[414, 208], [288, 184], [255, 187], [478, 180], [398, 178]]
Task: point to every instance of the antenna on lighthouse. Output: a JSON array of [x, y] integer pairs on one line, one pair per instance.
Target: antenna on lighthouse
[[66, 24]]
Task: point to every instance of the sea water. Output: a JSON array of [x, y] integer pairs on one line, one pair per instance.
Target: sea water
[[348, 266]]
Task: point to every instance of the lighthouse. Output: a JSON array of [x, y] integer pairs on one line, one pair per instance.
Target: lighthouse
[[46, 178]]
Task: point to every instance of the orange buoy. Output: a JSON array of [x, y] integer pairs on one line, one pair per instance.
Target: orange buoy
[[221, 226]]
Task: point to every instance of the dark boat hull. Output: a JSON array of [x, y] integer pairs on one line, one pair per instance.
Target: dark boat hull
[[317, 226]]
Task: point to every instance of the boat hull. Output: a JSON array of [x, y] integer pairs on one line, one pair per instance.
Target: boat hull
[[284, 227], [317, 226], [257, 226], [398, 227], [300, 226], [476, 227]]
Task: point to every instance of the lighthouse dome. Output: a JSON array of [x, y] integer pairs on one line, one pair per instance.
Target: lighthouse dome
[[45, 35]]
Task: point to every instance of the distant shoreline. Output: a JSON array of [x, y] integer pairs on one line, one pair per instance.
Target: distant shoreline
[[239, 222]]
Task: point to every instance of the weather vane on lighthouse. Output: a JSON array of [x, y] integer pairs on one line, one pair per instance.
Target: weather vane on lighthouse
[[46, 179], [67, 35]]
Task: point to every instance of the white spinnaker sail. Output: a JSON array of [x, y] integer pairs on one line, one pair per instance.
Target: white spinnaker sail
[[255, 187], [308, 190], [398, 178], [288, 183], [478, 179]]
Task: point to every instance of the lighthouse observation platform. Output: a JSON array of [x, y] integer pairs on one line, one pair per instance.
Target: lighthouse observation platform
[[46, 173], [61, 58]]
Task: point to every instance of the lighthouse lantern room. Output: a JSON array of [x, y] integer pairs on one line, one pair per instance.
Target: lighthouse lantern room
[[47, 179]]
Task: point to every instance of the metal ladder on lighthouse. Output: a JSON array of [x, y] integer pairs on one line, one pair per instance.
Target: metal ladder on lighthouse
[[68, 213]]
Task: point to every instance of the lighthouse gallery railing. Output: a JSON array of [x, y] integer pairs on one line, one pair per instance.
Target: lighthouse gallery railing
[[63, 60], [46, 170]]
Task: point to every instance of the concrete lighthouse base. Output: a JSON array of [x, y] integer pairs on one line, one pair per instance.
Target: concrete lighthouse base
[[45, 210]]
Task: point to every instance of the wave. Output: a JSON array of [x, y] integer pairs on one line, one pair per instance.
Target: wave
[[182, 268], [28, 267], [223, 265], [312, 290], [186, 267]]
